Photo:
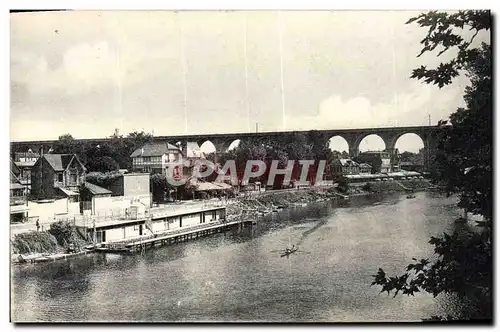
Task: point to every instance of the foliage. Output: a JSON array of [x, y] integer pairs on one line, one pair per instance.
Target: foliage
[[373, 159], [443, 34], [343, 185], [367, 186], [463, 162], [106, 156], [102, 164], [416, 158], [102, 179], [65, 233], [34, 242], [160, 187], [296, 147]]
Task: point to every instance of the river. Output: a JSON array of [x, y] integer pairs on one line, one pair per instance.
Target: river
[[238, 276]]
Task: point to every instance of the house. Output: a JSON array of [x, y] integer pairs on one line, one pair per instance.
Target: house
[[130, 184], [25, 162], [18, 203], [154, 157], [411, 166], [118, 196], [365, 168], [379, 160], [342, 166], [193, 151], [89, 194], [56, 176], [25, 157]]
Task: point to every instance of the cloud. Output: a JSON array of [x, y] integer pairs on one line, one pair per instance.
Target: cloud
[[404, 109]]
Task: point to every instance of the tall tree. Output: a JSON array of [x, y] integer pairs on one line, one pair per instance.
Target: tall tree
[[464, 162]]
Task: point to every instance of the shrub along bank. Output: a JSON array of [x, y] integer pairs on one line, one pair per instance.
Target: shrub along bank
[[57, 239]]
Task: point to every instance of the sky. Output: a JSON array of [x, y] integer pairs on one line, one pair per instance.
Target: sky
[[164, 72]]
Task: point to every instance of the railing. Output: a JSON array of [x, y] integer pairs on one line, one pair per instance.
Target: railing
[[18, 200]]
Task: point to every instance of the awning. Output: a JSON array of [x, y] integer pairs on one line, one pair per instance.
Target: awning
[[18, 209], [16, 186], [209, 186], [68, 192]]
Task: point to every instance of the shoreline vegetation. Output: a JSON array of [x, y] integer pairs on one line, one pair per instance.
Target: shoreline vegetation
[[54, 243]]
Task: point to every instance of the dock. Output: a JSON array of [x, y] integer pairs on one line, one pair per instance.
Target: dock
[[51, 258], [178, 236]]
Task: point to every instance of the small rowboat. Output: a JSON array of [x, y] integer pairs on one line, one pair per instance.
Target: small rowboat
[[286, 253]]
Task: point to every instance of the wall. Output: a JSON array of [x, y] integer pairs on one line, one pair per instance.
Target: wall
[[46, 211], [110, 204], [116, 205], [173, 223], [160, 226], [135, 184], [190, 220], [115, 234], [42, 180]]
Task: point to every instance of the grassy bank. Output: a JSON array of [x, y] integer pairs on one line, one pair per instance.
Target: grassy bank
[[55, 240], [389, 187], [283, 199]]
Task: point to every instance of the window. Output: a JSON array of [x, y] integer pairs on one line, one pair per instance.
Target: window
[[60, 177], [146, 159]]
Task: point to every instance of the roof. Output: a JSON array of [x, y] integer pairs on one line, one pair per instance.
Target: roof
[[193, 150], [25, 163], [96, 190], [13, 178], [59, 162], [13, 167], [154, 149], [68, 192], [207, 186], [16, 186], [374, 152], [29, 154], [348, 162], [410, 163]]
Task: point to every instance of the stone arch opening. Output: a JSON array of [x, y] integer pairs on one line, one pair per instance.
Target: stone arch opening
[[338, 144], [409, 142], [207, 147], [371, 142], [233, 145]]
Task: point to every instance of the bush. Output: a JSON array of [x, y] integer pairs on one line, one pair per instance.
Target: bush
[[34, 242], [65, 233], [367, 187]]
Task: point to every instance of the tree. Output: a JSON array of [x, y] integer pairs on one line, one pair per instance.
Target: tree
[[102, 164], [374, 160], [464, 164], [65, 144], [159, 187]]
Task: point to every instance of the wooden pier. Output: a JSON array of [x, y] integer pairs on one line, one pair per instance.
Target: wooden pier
[[191, 233]]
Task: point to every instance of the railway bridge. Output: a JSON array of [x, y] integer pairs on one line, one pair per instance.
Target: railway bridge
[[430, 135]]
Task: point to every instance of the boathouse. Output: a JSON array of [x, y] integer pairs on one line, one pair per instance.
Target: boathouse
[[156, 221]]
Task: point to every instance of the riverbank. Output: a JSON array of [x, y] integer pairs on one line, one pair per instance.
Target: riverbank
[[381, 187], [52, 244], [251, 206]]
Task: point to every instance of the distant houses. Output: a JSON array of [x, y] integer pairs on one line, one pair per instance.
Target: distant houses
[[155, 157], [25, 162], [343, 166]]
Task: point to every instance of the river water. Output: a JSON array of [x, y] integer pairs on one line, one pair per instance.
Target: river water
[[238, 276]]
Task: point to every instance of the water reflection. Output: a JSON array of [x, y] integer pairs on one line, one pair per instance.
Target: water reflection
[[238, 276]]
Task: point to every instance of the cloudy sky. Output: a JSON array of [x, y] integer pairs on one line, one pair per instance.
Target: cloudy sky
[[88, 72]]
